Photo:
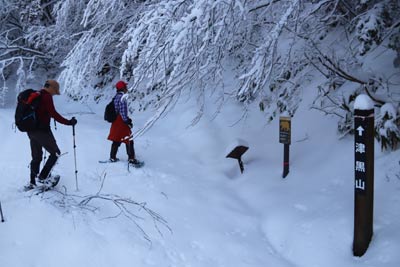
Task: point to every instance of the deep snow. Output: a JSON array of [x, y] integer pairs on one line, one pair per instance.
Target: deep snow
[[217, 216]]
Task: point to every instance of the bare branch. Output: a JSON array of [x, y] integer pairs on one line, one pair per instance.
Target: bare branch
[[270, 2], [124, 206]]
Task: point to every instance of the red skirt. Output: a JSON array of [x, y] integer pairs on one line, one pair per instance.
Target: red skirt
[[119, 131]]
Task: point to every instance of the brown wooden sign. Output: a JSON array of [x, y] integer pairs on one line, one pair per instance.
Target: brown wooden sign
[[364, 180], [237, 153]]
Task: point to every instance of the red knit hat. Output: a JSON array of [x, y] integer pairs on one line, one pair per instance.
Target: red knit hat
[[120, 85]]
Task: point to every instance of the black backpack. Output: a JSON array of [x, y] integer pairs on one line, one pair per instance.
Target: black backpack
[[110, 114], [25, 113]]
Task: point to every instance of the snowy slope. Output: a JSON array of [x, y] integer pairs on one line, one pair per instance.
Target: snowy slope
[[216, 216]]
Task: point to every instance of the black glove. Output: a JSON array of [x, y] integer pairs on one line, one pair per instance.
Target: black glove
[[72, 121], [129, 123]]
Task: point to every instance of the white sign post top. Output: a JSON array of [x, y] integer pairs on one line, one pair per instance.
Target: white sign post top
[[363, 102]]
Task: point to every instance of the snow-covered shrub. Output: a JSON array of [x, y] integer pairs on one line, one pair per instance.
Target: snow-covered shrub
[[394, 44], [387, 127], [347, 74], [284, 93], [333, 101], [371, 26]]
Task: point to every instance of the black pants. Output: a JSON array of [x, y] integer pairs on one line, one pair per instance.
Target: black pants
[[130, 150], [40, 139]]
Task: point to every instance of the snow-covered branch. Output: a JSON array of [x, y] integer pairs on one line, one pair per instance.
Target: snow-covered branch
[[254, 80], [166, 49], [180, 45]]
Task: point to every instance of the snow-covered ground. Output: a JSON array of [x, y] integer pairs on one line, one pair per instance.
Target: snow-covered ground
[[215, 215]]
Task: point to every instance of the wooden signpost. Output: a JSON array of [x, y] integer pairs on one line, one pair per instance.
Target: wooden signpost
[[285, 138], [363, 174]]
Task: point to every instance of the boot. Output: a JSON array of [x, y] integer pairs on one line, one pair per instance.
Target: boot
[[114, 150]]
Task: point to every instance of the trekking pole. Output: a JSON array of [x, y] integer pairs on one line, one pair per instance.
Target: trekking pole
[[1, 213], [44, 158], [76, 171]]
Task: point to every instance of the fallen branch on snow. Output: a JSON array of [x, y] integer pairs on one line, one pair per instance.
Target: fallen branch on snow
[[124, 206]]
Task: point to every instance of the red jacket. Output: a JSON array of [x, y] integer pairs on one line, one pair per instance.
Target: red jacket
[[46, 111]]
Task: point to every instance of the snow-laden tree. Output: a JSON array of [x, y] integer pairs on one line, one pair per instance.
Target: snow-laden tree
[[16, 55], [180, 46], [168, 48], [95, 59], [30, 41], [271, 75], [367, 31], [387, 125]]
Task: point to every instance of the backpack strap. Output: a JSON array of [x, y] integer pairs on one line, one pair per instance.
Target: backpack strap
[[32, 97]]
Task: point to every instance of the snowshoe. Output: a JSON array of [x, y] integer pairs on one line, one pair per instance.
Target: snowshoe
[[29, 187], [48, 183], [43, 185], [109, 160], [136, 163]]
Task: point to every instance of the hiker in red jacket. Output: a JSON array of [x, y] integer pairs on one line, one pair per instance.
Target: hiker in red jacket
[[120, 131], [42, 137]]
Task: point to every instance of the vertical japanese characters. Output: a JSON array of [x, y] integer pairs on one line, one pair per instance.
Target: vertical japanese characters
[[363, 178]]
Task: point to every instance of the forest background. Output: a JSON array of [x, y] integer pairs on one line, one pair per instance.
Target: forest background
[[273, 49]]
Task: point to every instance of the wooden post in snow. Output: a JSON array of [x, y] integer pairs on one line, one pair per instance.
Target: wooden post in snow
[[284, 138], [363, 173]]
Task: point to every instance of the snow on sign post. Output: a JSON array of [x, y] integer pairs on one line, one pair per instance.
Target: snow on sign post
[[240, 147], [363, 173], [284, 138]]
